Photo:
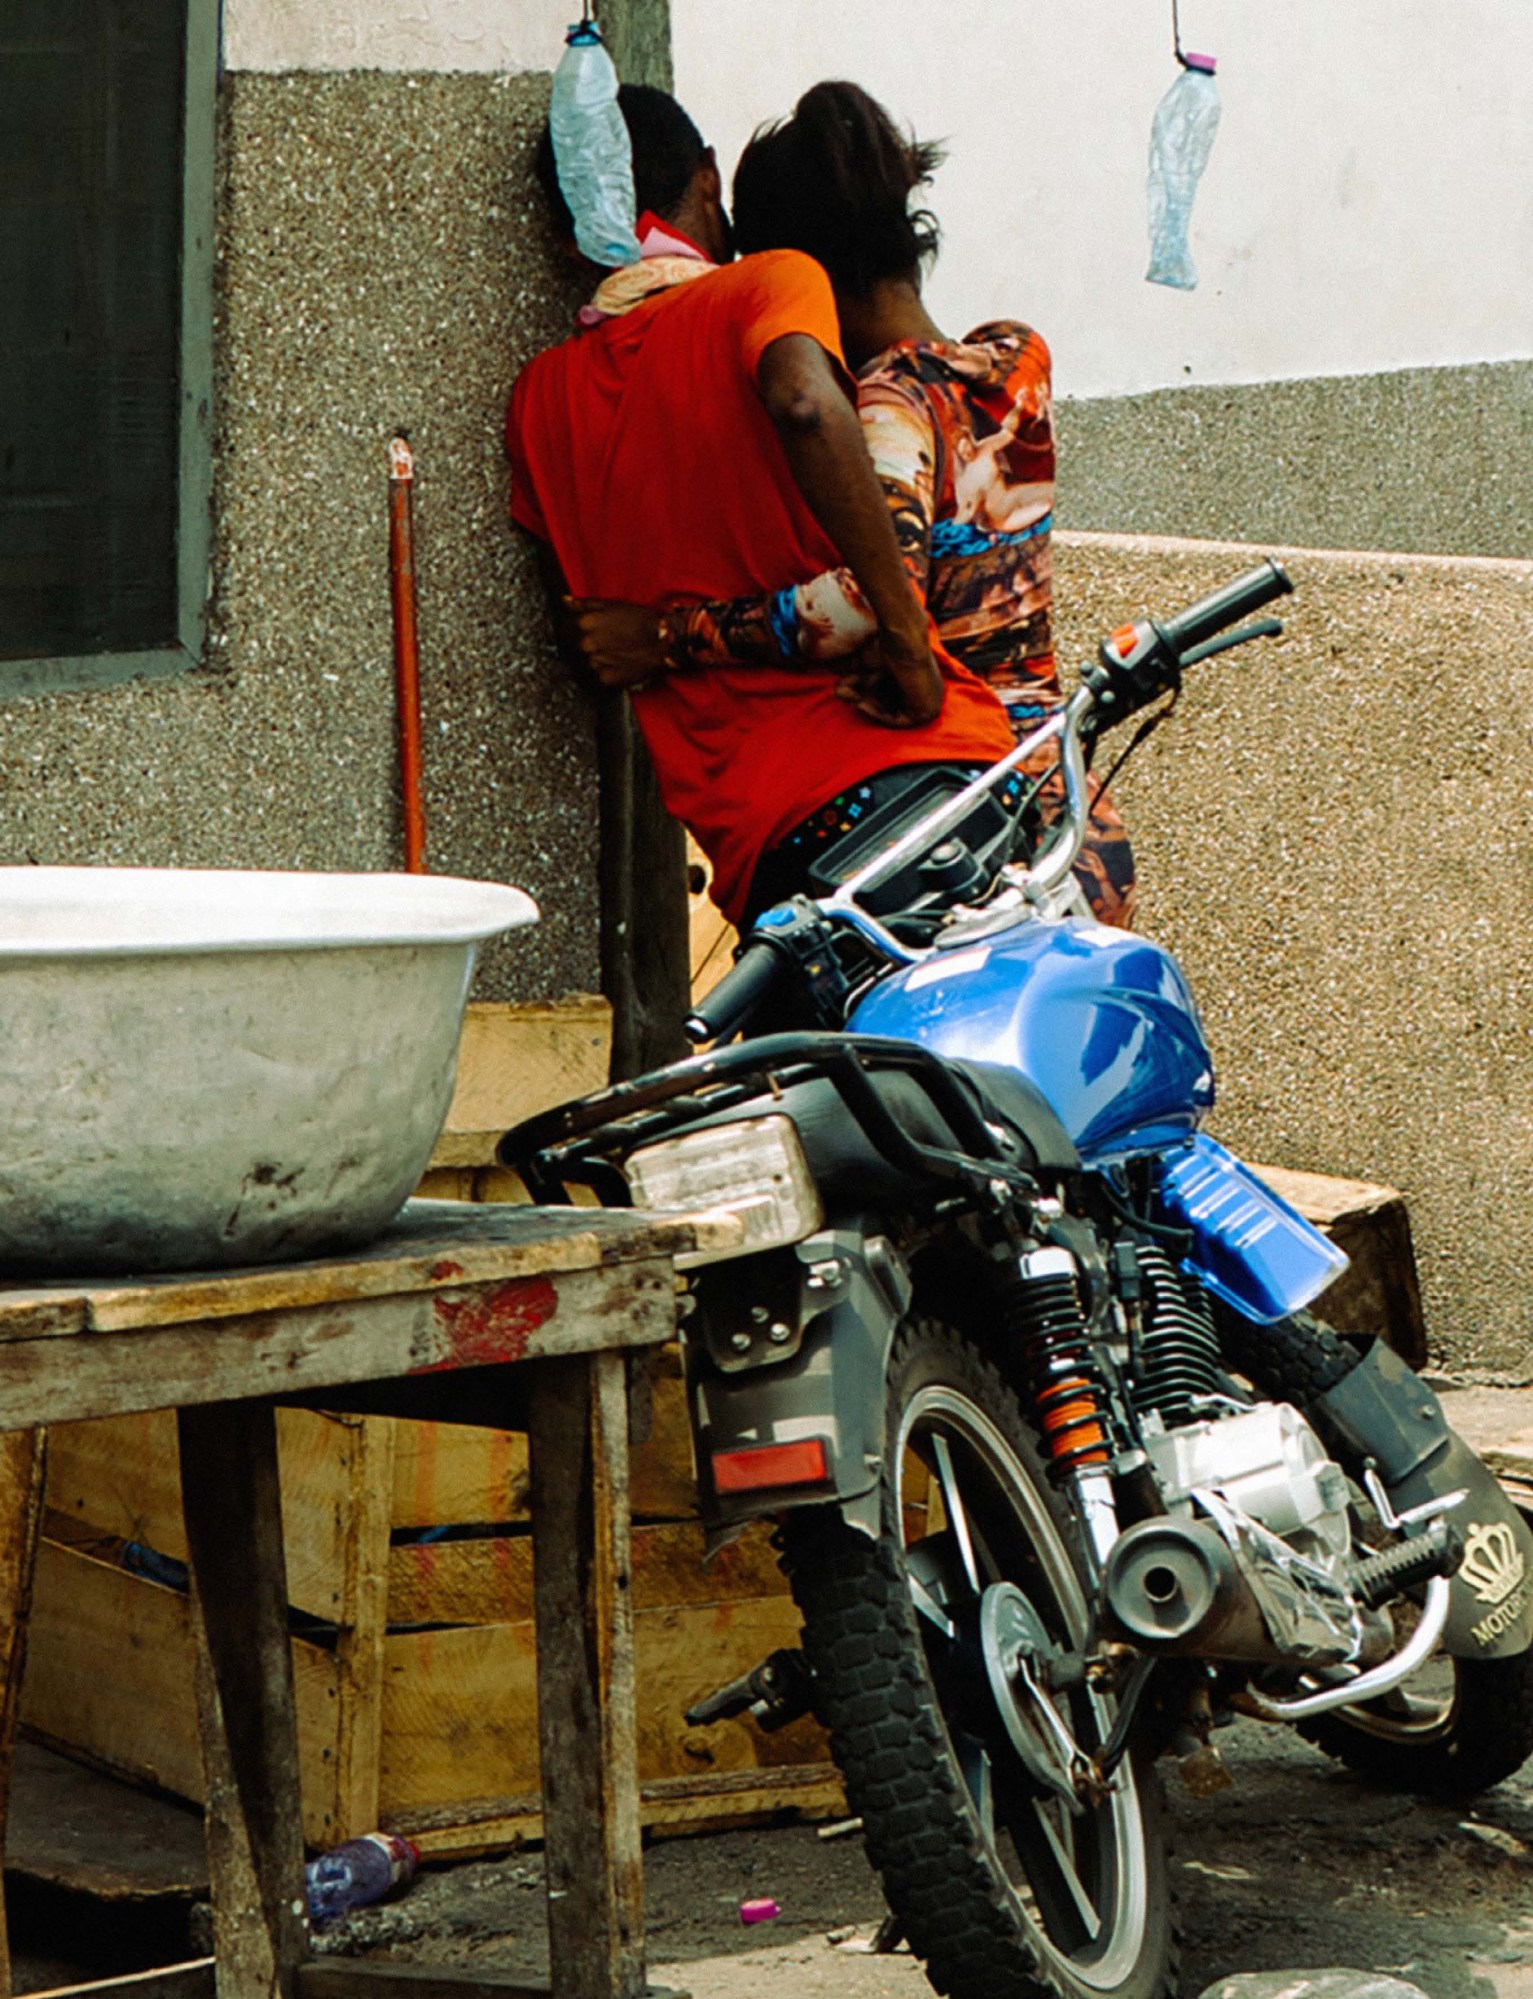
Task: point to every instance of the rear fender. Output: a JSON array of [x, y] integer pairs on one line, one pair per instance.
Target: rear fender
[[831, 1387], [1387, 1413]]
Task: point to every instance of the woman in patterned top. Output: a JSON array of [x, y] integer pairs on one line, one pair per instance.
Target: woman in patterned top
[[961, 434]]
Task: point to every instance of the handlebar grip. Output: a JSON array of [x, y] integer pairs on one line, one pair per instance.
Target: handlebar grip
[[737, 995], [1227, 606]]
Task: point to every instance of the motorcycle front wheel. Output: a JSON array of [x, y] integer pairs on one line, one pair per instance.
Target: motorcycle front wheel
[[940, 1655]]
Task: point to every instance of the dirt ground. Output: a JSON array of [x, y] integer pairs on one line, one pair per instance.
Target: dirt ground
[[1298, 1866]]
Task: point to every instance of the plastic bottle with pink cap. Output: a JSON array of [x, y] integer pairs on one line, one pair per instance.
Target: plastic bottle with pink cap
[[1181, 139]]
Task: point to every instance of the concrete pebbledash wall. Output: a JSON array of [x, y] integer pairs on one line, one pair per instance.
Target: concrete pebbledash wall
[[1335, 836], [1429, 459], [382, 262]]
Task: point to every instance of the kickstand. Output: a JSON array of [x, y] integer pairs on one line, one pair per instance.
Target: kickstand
[[888, 1937], [885, 1940]]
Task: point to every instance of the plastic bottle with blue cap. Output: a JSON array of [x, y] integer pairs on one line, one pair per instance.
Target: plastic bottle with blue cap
[[592, 150], [1181, 139]]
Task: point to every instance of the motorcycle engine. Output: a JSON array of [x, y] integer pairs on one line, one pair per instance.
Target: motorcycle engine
[[1261, 1480], [1266, 1464]]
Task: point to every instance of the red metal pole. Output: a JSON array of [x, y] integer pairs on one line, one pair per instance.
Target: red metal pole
[[407, 679]]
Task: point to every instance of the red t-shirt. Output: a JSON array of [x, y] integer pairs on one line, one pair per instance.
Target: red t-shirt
[[641, 451]]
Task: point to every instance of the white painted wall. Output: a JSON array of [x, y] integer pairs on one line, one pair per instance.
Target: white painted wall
[[1368, 206], [496, 35]]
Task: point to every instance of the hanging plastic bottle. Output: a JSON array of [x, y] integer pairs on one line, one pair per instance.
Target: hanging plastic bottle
[[357, 1872], [592, 150], [1181, 139]]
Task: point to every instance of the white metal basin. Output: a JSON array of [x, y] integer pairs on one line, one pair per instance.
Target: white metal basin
[[205, 1067]]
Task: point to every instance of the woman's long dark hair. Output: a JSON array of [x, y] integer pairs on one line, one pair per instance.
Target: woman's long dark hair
[[835, 180]]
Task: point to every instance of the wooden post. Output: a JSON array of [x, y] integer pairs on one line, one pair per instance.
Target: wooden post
[[645, 956], [363, 1625], [23, 1459], [233, 1507], [578, 1436]]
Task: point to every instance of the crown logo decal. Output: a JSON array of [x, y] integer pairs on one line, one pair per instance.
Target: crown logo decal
[[1493, 1563]]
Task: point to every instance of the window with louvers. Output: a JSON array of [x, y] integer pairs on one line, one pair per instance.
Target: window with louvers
[[93, 158]]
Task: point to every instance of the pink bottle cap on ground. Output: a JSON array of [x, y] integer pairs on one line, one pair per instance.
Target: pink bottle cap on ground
[[1208, 64], [761, 1911]]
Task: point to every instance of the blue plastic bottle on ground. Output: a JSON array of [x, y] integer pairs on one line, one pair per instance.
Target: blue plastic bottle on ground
[[357, 1872], [1181, 139], [592, 149]]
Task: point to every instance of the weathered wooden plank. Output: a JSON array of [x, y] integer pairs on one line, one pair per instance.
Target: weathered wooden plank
[[323, 1346], [451, 1475], [489, 1581], [112, 1676], [363, 1622], [453, 1179], [23, 1457], [711, 936], [120, 1476], [476, 1684], [79, 1831], [666, 1805], [446, 1474], [516, 1060], [585, 1675], [247, 1713], [433, 1246]]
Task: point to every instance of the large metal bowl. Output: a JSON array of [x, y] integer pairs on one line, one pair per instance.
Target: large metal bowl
[[203, 1067]]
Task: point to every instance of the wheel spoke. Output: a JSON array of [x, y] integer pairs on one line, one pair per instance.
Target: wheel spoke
[[952, 1504], [929, 1608], [1060, 1843], [979, 1776]]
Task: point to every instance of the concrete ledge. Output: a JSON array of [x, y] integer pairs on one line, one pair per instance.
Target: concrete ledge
[[1424, 458]]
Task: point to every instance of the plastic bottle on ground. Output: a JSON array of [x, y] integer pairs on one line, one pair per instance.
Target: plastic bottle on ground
[[592, 150], [357, 1872], [1181, 139]]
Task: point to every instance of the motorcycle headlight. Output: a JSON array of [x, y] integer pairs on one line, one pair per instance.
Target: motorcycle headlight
[[754, 1169]]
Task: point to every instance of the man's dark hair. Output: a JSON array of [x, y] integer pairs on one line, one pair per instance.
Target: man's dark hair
[[667, 151], [835, 180]]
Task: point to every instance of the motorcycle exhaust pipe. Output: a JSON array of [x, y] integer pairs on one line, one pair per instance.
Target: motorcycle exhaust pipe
[[1173, 1587]]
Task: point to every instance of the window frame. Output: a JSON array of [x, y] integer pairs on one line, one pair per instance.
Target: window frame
[[72, 673]]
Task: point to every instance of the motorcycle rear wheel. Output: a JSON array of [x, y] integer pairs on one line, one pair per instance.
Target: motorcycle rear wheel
[[1459, 1725], [1004, 1889]]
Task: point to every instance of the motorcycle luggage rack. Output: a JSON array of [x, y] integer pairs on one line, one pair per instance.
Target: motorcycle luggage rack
[[574, 1141]]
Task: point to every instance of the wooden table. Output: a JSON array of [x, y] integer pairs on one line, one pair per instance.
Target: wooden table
[[516, 1318]]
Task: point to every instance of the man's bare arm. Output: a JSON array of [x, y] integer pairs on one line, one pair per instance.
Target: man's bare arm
[[822, 438]]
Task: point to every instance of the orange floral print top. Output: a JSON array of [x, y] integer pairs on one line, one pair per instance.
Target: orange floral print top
[[962, 438]]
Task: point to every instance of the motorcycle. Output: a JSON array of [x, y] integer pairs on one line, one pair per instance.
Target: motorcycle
[[1017, 1358]]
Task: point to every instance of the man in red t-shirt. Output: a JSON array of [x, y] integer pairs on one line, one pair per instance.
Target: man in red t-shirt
[[697, 438]]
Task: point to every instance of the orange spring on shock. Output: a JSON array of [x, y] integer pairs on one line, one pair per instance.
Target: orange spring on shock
[[1072, 1423], [1044, 1314]]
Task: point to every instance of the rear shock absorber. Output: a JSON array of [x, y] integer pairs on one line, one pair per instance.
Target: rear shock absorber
[[1045, 1316], [1179, 1352]]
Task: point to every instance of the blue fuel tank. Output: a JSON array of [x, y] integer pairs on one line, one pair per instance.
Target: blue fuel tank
[[1102, 1021]]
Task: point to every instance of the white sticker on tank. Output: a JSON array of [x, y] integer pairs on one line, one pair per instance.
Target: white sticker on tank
[[953, 966]]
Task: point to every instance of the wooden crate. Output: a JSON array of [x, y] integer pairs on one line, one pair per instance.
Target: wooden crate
[[414, 1657]]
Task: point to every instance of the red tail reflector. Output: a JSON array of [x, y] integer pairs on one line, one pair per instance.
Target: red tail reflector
[[763, 1465]]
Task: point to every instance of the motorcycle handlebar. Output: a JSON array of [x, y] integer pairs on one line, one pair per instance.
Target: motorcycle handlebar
[[1227, 606], [737, 995]]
